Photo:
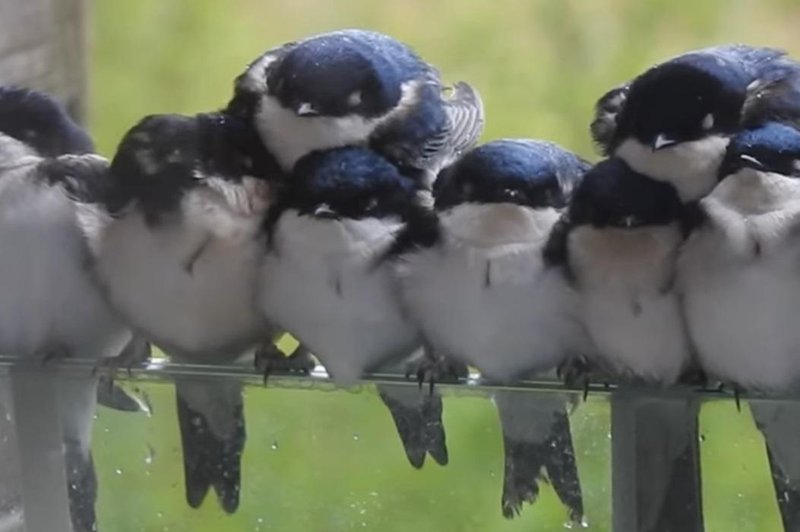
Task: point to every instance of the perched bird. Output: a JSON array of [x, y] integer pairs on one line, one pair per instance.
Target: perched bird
[[357, 88], [176, 247], [324, 280], [738, 277], [482, 295], [674, 121], [619, 242], [49, 305]]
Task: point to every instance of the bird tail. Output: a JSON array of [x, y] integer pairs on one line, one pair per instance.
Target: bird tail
[[417, 415], [538, 448], [82, 488], [211, 420]]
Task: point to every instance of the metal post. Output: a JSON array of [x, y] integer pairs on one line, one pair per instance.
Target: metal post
[[43, 46], [655, 463], [41, 450]]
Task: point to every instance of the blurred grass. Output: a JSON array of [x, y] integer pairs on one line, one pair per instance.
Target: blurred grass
[[540, 65]]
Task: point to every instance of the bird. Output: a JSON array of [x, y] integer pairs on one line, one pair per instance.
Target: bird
[[674, 121], [175, 241], [618, 243], [325, 278], [50, 306], [737, 275], [482, 296], [357, 88]]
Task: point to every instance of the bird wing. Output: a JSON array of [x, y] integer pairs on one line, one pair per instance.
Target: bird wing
[[604, 125], [433, 130]]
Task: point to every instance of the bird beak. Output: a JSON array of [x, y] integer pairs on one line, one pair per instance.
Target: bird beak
[[324, 211], [749, 160], [662, 141], [306, 109]]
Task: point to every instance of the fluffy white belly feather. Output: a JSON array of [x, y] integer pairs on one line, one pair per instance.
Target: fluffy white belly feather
[[188, 289], [319, 285], [628, 305], [483, 296]]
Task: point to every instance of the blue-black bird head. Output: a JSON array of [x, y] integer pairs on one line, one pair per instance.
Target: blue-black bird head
[[688, 98], [352, 183], [37, 120], [343, 73], [530, 173], [772, 148], [611, 194]]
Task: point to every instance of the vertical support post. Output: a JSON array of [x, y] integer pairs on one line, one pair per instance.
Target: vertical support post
[[45, 500], [43, 46], [655, 463]]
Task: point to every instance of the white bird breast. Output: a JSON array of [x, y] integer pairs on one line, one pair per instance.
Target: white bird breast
[[630, 311], [691, 167], [742, 306], [320, 284], [47, 298], [189, 280], [484, 296]]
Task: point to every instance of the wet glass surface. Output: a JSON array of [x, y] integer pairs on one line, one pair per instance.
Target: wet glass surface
[[318, 458]]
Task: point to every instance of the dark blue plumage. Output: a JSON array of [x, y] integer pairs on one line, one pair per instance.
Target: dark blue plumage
[[164, 156], [347, 182], [673, 97], [673, 122], [772, 147], [614, 195], [37, 120], [356, 87], [536, 174]]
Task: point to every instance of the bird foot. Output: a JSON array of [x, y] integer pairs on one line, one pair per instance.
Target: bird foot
[[578, 373], [56, 353], [269, 359], [433, 368]]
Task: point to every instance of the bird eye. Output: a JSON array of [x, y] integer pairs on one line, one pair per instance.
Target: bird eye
[[354, 100], [708, 122]]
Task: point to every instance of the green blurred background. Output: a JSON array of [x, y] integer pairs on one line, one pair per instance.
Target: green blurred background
[[330, 461]]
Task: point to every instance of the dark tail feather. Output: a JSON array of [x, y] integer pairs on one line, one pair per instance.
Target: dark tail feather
[[417, 416], [538, 448], [82, 489], [561, 467], [209, 460]]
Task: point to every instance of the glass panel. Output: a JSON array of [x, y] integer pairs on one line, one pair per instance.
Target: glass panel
[[318, 458]]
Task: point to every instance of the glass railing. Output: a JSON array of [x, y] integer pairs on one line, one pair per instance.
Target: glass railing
[[318, 458]]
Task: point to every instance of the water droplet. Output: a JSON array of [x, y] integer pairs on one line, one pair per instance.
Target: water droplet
[[373, 493], [355, 437], [274, 446], [159, 515], [362, 511], [702, 438], [118, 471], [260, 520]]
